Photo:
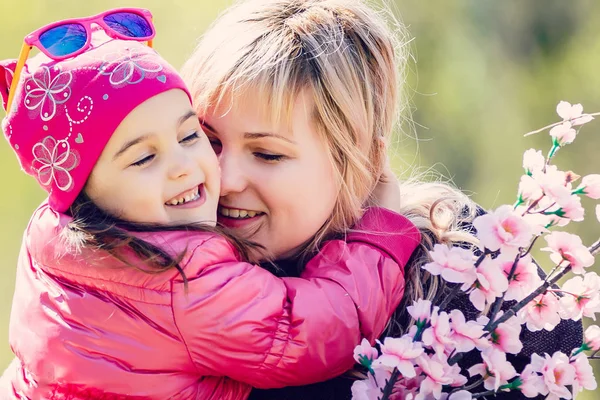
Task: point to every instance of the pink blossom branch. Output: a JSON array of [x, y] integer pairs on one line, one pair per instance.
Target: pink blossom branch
[[389, 385], [520, 305], [483, 394], [500, 300], [593, 249], [471, 386], [556, 123]]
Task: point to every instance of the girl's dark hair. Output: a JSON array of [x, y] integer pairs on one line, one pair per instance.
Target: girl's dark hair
[[93, 228]]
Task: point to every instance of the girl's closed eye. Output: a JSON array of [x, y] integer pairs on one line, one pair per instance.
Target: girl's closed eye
[[192, 137], [143, 161]]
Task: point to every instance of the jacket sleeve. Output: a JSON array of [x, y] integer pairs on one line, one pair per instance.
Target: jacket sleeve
[[240, 321]]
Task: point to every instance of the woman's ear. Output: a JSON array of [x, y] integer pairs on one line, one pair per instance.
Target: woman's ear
[[7, 71]]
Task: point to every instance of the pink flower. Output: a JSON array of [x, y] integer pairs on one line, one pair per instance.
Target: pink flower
[[529, 189], [541, 313], [581, 297], [406, 388], [399, 353], [538, 222], [491, 283], [563, 133], [420, 311], [438, 373], [573, 113], [525, 278], [557, 373], [506, 336], [592, 337], [437, 336], [495, 370], [460, 395], [584, 374], [553, 182], [454, 264], [532, 384], [570, 207], [503, 230], [370, 388], [533, 160], [590, 186], [466, 335], [565, 246], [364, 352]]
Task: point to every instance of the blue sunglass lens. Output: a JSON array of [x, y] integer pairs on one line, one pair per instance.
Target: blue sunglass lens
[[129, 24], [64, 39]]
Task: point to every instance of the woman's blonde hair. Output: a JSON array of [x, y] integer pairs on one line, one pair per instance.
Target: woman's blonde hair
[[345, 55]]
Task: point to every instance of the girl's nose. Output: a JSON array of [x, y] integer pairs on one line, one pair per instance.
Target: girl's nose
[[181, 165]]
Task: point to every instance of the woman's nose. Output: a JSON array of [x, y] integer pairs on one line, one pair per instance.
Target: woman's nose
[[233, 174]]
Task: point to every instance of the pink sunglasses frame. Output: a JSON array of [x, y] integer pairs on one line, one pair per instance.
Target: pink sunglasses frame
[[33, 39]]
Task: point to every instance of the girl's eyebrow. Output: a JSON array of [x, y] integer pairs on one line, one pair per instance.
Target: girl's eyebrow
[[140, 139], [185, 117], [131, 143]]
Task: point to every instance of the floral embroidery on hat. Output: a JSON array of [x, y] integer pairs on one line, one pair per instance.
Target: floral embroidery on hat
[[44, 92], [129, 66], [55, 160]]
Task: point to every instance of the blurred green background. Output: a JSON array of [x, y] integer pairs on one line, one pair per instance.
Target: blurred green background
[[484, 73]]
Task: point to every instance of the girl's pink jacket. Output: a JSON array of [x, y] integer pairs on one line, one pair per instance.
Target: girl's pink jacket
[[83, 327]]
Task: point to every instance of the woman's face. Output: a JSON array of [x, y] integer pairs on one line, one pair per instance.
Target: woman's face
[[277, 183], [158, 166]]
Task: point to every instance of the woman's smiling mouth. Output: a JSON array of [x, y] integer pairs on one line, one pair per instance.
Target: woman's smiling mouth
[[237, 217]]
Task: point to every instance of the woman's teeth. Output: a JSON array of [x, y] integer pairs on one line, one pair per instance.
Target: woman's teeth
[[237, 213], [192, 195]]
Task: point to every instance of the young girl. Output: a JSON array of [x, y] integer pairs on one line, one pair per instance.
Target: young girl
[[120, 293], [266, 65]]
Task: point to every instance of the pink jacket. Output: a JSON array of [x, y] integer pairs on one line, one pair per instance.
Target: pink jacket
[[81, 330]]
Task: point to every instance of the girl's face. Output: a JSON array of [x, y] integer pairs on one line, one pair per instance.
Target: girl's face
[[277, 183], [158, 166]]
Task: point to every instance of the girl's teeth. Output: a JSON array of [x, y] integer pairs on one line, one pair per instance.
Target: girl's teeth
[[225, 212], [187, 198], [251, 214], [243, 213], [234, 213]]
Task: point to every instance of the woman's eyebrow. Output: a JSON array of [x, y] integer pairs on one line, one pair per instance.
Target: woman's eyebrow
[[251, 135], [260, 135]]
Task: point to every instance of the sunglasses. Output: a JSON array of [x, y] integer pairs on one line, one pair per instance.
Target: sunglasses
[[71, 37]]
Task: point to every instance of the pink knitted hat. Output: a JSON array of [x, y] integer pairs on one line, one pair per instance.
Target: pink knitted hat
[[64, 112]]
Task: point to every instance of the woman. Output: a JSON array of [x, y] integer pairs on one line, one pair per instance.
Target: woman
[[299, 98]]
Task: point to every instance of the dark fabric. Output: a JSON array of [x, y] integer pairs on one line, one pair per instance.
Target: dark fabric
[[565, 337]]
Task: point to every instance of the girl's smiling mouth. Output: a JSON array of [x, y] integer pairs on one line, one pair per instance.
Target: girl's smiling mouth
[[189, 199]]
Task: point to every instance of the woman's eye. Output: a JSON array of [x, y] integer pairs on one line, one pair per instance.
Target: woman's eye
[[143, 161], [269, 157], [190, 138]]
